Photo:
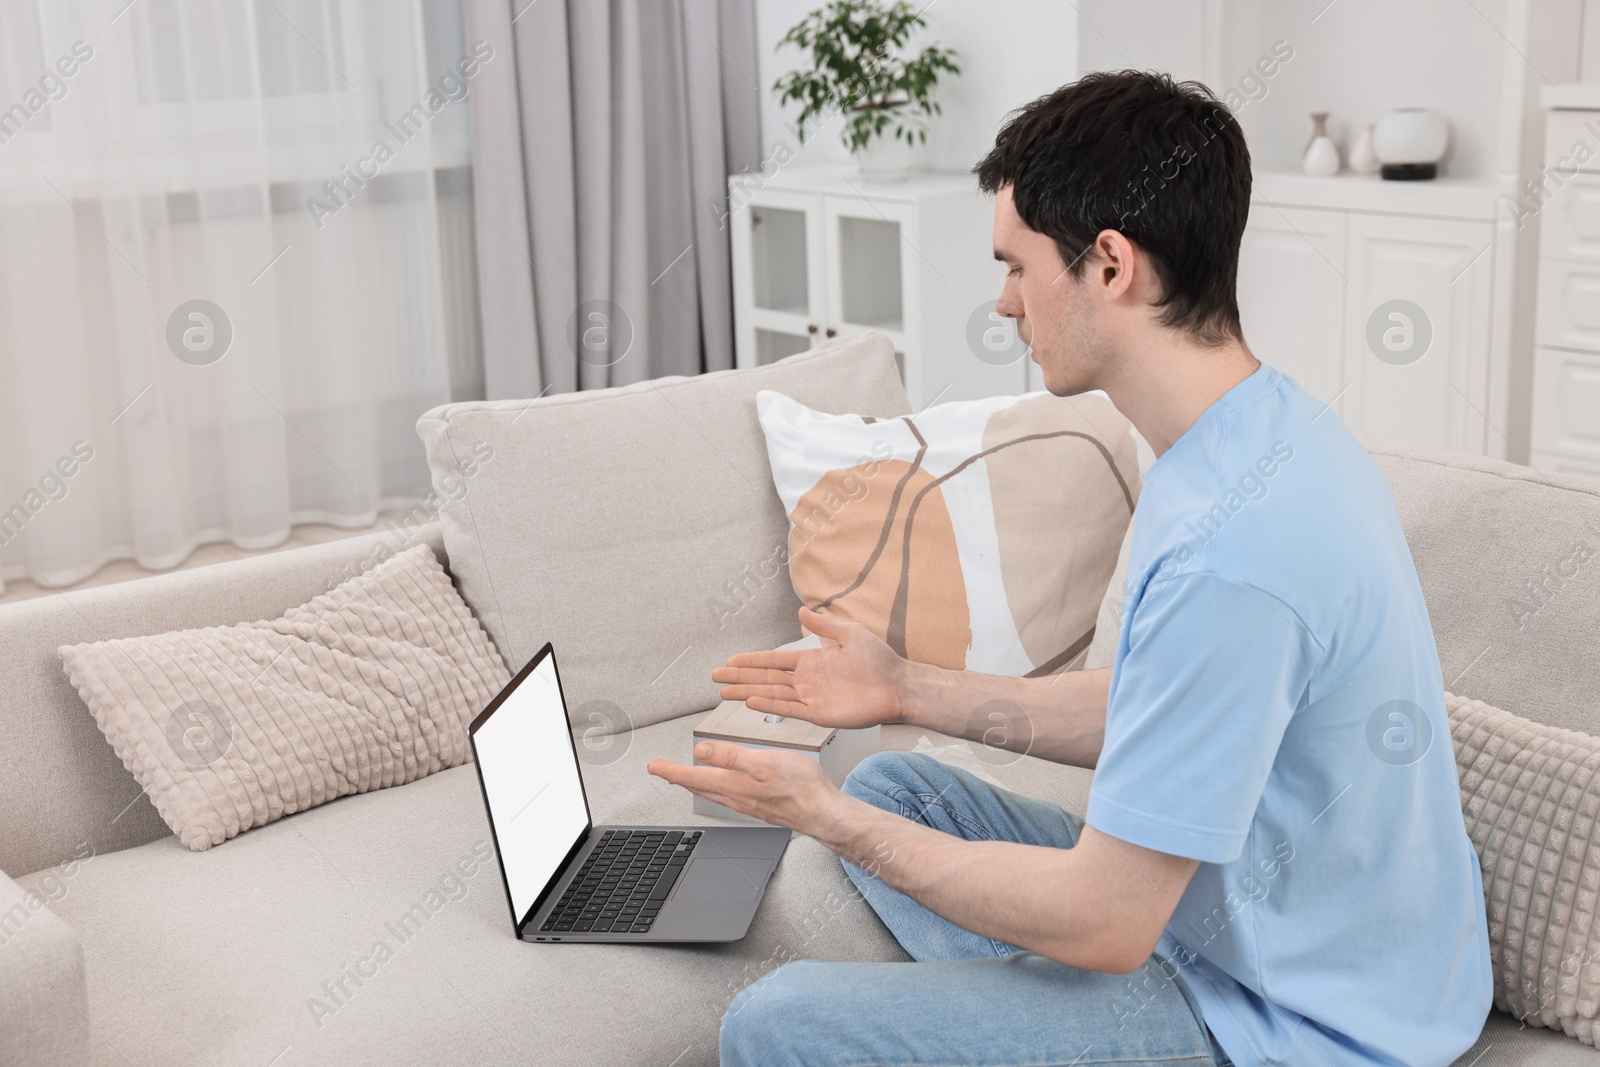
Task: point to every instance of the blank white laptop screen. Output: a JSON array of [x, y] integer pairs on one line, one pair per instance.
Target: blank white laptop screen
[[531, 782]]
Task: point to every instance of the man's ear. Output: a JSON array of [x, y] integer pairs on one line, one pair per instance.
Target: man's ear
[[1117, 266], [1114, 267]]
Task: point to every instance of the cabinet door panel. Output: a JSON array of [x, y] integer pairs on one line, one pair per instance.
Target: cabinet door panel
[[1566, 401], [1441, 269], [779, 299], [1570, 222], [1569, 304], [1291, 293]]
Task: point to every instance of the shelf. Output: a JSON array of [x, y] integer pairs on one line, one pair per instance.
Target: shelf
[[845, 180], [1451, 198], [1570, 97]]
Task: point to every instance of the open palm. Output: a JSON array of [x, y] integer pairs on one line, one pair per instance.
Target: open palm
[[852, 681]]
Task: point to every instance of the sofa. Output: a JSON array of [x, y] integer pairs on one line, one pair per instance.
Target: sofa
[[261, 952]]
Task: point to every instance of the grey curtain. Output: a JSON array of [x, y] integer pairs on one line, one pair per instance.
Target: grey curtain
[[603, 132]]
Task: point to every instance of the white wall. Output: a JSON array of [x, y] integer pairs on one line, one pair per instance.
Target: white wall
[[1356, 59], [1009, 54]]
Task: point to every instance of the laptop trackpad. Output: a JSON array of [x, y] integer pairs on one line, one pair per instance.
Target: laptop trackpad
[[727, 881]]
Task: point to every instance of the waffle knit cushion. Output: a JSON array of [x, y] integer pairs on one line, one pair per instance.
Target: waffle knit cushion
[[1530, 794], [370, 685]]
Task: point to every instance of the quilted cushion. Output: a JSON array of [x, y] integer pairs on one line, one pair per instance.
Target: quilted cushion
[[229, 727], [1530, 795]]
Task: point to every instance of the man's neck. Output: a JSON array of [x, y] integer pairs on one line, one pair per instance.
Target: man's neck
[[1171, 383]]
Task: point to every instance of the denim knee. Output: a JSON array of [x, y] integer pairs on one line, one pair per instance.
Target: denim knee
[[767, 1021], [911, 771]]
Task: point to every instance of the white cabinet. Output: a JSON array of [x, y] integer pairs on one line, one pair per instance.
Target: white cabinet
[[1566, 360], [1437, 265], [1291, 293], [819, 253], [1323, 259]]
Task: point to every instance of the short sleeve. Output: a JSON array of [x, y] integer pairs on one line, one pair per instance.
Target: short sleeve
[[1200, 701]]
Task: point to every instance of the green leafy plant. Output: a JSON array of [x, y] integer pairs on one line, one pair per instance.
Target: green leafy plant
[[858, 67]]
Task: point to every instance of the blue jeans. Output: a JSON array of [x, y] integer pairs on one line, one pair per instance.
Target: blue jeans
[[968, 1000]]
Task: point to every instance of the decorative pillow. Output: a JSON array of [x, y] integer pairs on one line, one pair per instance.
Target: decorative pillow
[[371, 684], [978, 534], [1530, 794]]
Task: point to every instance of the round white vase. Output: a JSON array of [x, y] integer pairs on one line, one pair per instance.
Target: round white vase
[[1410, 141]]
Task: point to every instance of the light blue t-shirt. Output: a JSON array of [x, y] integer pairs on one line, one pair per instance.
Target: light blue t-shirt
[[1276, 711]]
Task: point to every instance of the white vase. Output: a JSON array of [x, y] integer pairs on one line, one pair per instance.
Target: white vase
[[1363, 157], [1321, 156]]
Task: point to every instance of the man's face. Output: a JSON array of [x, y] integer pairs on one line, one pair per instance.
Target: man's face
[[1053, 317]]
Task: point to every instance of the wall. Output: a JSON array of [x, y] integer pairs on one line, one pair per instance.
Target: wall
[[1005, 62], [1355, 59], [1590, 64]]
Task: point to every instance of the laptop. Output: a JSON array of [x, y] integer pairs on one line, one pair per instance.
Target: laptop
[[569, 880]]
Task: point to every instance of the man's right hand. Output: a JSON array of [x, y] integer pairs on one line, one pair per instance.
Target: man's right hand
[[853, 680]]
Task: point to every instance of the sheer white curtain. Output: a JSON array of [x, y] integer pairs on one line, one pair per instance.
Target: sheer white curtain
[[293, 173]]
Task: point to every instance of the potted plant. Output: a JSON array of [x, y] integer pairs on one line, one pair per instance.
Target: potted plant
[[859, 67]]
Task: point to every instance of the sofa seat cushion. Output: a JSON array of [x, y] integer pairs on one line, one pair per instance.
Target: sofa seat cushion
[[223, 957], [234, 955]]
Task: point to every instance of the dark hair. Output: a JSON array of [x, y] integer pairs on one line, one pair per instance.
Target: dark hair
[[1163, 163]]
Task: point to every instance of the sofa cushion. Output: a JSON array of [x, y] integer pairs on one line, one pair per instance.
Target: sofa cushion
[[270, 947], [230, 727], [937, 532], [272, 942], [64, 788], [1509, 560], [1528, 793], [627, 525]]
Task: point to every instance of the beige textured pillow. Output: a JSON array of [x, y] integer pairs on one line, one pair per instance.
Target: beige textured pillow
[[631, 526], [370, 685], [976, 535], [1530, 796]]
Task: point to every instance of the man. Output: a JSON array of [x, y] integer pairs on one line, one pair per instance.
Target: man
[[1272, 867]]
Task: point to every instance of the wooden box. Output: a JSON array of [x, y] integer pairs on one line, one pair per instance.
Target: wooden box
[[837, 750]]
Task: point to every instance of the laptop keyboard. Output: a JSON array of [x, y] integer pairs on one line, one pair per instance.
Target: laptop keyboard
[[623, 883]]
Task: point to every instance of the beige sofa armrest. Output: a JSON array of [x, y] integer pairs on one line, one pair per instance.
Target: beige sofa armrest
[[44, 1000]]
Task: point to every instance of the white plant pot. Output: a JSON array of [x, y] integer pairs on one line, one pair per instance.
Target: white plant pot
[[886, 158]]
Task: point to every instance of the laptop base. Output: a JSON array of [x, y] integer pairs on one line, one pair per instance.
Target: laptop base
[[714, 899]]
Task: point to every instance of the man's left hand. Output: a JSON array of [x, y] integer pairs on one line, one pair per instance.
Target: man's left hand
[[782, 788]]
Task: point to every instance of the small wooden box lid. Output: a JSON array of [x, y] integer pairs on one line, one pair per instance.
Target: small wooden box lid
[[732, 721]]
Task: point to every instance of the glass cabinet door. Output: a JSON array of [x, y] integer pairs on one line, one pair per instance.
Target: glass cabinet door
[[868, 244], [779, 301], [778, 259]]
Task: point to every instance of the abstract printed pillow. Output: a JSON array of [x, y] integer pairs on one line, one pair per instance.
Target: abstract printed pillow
[[977, 535]]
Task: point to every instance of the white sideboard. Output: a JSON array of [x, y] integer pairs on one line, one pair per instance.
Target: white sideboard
[[1324, 258], [818, 252], [1566, 356]]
